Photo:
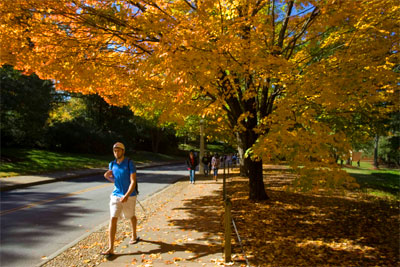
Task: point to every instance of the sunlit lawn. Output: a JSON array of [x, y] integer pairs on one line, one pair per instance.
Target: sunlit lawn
[[33, 161], [210, 148], [380, 182]]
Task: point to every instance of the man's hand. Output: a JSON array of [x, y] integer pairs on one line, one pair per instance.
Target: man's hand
[[124, 199]]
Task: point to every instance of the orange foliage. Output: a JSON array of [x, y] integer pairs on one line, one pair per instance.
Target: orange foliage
[[278, 71]]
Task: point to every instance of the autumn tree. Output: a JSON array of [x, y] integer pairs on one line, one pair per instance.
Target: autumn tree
[[274, 71], [24, 108]]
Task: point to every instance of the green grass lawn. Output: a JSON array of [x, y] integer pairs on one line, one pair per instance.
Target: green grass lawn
[[210, 148], [380, 183], [33, 161]]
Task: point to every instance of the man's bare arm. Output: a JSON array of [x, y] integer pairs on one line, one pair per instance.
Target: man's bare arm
[[109, 176], [131, 187]]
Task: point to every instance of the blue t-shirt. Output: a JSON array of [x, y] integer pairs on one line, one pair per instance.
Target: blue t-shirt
[[121, 173]]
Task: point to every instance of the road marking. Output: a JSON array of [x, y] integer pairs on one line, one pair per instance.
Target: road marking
[[34, 204]]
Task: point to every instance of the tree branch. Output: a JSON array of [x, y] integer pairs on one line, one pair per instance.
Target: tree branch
[[259, 5], [273, 23], [190, 4], [292, 43], [285, 24]]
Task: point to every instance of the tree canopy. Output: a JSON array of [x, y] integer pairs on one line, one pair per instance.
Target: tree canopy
[[24, 107], [289, 77]]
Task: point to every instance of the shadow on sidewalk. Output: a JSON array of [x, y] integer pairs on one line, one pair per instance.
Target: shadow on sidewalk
[[205, 214], [198, 249]]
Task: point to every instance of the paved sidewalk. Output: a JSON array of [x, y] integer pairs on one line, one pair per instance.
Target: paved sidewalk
[[10, 183], [185, 230]]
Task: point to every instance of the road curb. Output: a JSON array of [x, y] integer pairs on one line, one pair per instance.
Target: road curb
[[48, 181]]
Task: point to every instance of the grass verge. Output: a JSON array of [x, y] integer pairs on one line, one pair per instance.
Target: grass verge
[[382, 183], [34, 161]]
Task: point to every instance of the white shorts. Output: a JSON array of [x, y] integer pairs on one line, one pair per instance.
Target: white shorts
[[127, 208]]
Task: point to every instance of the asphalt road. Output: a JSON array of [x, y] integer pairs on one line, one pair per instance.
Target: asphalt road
[[38, 221]]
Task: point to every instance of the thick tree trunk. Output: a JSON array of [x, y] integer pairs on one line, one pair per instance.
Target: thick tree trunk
[[247, 137], [253, 169], [256, 183]]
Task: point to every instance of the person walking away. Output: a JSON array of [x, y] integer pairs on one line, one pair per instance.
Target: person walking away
[[192, 164], [209, 163], [234, 160], [215, 162], [121, 172], [228, 161], [222, 161], [206, 162]]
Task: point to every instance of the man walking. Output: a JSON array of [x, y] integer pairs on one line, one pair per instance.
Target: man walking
[[206, 163], [215, 162], [192, 163], [121, 172]]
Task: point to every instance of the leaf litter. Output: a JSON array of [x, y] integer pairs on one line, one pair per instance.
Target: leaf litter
[[293, 229]]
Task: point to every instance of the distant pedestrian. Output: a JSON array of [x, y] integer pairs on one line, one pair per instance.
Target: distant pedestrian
[[234, 160], [228, 161], [192, 163], [206, 160], [215, 162], [238, 159], [209, 164], [121, 172], [222, 161]]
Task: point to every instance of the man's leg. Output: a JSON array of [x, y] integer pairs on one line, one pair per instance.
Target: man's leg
[[112, 229], [133, 224], [129, 209], [192, 176]]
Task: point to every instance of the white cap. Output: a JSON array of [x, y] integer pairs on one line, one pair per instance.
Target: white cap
[[119, 145]]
